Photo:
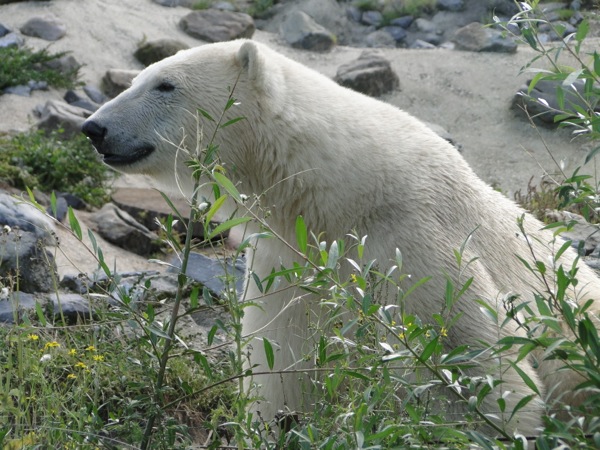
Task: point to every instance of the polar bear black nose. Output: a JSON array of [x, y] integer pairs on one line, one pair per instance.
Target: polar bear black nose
[[94, 131]]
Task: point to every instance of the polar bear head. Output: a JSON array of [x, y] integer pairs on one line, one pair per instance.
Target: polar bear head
[[145, 128]]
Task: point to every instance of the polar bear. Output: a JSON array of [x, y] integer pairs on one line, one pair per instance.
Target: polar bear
[[344, 162]]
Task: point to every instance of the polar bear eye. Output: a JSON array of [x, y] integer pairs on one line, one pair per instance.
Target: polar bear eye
[[165, 86]]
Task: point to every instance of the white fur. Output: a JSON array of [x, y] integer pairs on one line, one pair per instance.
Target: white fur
[[344, 162]]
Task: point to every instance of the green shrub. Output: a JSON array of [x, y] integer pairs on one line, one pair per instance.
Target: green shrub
[[52, 163], [20, 65]]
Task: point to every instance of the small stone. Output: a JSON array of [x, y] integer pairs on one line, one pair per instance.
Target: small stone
[[11, 40], [477, 38], [404, 21], [420, 44], [94, 94], [56, 114], [48, 27], [370, 74], [154, 51], [119, 228], [116, 81], [3, 30], [380, 39], [451, 5], [213, 25], [22, 90], [301, 31], [425, 26], [353, 13], [372, 18], [398, 33]]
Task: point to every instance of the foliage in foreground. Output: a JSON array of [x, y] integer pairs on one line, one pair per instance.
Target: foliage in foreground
[[50, 162], [21, 65], [128, 379]]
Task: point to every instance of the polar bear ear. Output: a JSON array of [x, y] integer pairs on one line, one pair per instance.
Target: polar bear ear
[[265, 75], [249, 58]]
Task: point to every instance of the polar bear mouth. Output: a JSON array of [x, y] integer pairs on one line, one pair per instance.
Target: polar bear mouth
[[138, 154]]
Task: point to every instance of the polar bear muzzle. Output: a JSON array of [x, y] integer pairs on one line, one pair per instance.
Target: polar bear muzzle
[[115, 156]]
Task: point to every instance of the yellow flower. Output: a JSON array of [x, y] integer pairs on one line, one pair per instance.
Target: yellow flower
[[71, 376], [98, 358], [72, 352], [443, 332], [401, 336], [51, 344], [353, 278], [90, 348], [80, 365], [33, 337]]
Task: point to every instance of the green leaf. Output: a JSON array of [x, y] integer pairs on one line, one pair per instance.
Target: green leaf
[[194, 303], [301, 235], [205, 114], [521, 404], [40, 314], [74, 223], [231, 122], [572, 77], [269, 353], [228, 225], [214, 208], [333, 255], [429, 349], [582, 30], [227, 185], [528, 381], [597, 64], [211, 335], [591, 154]]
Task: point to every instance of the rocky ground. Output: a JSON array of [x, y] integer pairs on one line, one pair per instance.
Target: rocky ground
[[467, 93]]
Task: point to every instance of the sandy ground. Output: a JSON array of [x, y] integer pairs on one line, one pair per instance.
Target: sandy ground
[[466, 93]]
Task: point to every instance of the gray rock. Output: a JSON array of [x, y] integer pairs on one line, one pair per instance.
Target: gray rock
[[301, 31], [94, 94], [370, 74], [11, 40], [213, 25], [3, 30], [17, 305], [581, 234], [425, 26], [380, 39], [56, 114], [372, 18], [503, 7], [451, 5], [25, 261], [212, 272], [398, 33], [66, 64], [542, 102], [147, 206], [420, 44], [154, 51], [477, 38], [116, 81], [73, 308], [75, 99], [16, 213], [168, 3], [21, 89], [119, 228], [353, 13], [557, 30], [224, 6], [404, 21], [47, 27]]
